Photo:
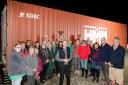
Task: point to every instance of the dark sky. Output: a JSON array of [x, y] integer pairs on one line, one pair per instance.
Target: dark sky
[[114, 10]]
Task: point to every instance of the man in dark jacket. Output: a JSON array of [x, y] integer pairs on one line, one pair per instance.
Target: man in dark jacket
[[104, 55], [116, 62], [64, 58]]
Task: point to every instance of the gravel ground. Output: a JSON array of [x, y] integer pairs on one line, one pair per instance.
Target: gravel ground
[[77, 80]]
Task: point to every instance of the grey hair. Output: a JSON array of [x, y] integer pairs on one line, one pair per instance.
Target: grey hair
[[103, 38]]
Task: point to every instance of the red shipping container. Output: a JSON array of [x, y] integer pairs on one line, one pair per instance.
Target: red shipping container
[[27, 21]]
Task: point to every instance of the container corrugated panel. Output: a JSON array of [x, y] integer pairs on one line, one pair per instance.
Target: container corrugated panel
[[27, 21]]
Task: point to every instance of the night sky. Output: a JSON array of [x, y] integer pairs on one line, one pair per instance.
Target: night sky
[[114, 10]]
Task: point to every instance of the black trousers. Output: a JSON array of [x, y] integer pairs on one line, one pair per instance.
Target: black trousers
[[43, 72], [65, 70], [96, 73], [24, 80], [57, 67]]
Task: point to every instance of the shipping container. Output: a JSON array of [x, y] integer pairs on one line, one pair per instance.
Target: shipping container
[[26, 21]]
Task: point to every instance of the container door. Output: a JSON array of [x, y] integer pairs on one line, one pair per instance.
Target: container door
[[3, 34]]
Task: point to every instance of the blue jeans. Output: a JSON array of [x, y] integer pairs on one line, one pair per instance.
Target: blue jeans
[[17, 81], [95, 66], [83, 64]]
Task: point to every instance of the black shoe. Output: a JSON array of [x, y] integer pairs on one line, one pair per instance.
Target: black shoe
[[86, 76], [42, 82], [52, 76], [93, 79], [97, 80], [90, 74], [44, 79], [86, 73], [37, 82], [82, 75], [82, 72], [49, 77]]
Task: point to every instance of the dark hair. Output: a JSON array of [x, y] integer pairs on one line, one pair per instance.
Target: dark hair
[[17, 44], [95, 44], [35, 48], [37, 42], [28, 40], [59, 43], [83, 41]]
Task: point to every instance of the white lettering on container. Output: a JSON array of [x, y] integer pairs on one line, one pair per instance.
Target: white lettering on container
[[29, 15]]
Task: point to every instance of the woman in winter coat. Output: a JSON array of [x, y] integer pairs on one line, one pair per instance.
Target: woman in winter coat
[[84, 52], [39, 66], [17, 67], [32, 63], [95, 59]]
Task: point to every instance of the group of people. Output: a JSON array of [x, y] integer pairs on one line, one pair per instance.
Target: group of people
[[31, 61], [39, 62], [95, 58]]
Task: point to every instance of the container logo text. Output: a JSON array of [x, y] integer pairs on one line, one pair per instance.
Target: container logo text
[[29, 15], [94, 33]]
